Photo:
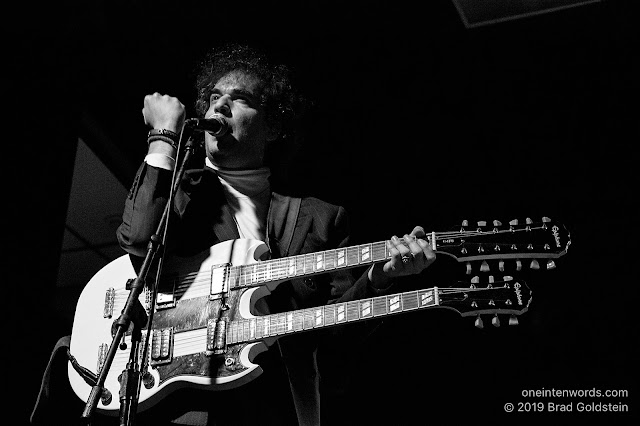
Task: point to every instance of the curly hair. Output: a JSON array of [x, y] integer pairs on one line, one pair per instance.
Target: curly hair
[[281, 102]]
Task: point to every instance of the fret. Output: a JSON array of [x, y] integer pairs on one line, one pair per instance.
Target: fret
[[329, 259], [234, 331], [394, 303], [291, 271], [252, 329], [260, 327], [319, 264], [261, 271], [365, 253], [308, 319], [300, 264], [298, 320], [425, 298], [365, 308], [279, 323], [242, 276], [229, 334], [341, 312], [289, 323], [353, 311], [352, 256], [282, 269], [245, 331], [308, 263], [265, 326], [379, 306], [330, 314], [231, 278], [318, 317], [379, 251], [341, 258], [410, 300]]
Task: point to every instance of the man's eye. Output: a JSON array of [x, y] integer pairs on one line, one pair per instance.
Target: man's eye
[[214, 97]]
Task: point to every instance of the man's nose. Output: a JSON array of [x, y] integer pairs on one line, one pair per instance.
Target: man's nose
[[223, 105]]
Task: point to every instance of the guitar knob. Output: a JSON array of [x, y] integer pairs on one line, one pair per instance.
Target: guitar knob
[[528, 221], [465, 223], [518, 265], [475, 280], [513, 320], [468, 268], [495, 321], [148, 380], [497, 223], [551, 264], [546, 220], [501, 266], [479, 323], [484, 267], [513, 222], [482, 223], [534, 264], [491, 279]]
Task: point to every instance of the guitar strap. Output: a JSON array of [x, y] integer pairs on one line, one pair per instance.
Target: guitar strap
[[278, 230]]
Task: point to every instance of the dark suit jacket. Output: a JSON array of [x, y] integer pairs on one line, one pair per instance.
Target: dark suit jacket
[[201, 218]]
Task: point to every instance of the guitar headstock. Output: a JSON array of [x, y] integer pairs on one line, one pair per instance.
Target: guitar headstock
[[516, 240], [507, 296]]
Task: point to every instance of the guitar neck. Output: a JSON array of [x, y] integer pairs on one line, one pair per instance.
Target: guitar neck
[[257, 328], [307, 264]]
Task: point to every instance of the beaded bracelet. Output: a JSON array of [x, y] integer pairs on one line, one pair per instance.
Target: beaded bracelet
[[164, 139]]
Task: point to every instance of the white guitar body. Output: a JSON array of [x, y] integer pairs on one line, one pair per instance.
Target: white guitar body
[[205, 333], [186, 310]]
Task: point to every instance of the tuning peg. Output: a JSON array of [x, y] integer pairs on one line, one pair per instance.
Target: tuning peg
[[551, 264], [513, 320], [501, 266], [468, 268], [518, 265], [534, 264], [479, 323], [484, 267], [495, 321]]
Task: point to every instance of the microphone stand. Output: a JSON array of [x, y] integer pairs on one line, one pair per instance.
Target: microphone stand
[[134, 314]]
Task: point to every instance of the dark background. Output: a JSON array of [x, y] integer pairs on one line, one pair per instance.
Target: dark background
[[418, 120]]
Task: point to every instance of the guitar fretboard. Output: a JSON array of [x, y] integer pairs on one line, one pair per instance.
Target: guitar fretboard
[[247, 330], [307, 264]]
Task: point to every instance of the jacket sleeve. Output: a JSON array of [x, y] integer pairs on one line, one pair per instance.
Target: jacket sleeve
[[143, 209]]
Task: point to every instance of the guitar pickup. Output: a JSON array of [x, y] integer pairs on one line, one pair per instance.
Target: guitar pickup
[[219, 281], [216, 336], [162, 346]]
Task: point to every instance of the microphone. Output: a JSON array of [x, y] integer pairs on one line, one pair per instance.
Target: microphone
[[215, 125]]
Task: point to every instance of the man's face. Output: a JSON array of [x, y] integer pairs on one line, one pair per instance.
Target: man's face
[[236, 96]]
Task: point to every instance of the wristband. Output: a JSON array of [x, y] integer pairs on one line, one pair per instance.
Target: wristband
[[164, 132], [164, 139]]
